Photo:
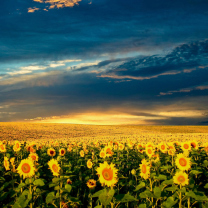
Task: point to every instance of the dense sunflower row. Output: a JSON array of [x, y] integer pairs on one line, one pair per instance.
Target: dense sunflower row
[[106, 173]]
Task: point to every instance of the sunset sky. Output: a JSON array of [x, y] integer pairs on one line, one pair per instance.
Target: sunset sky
[[104, 61]]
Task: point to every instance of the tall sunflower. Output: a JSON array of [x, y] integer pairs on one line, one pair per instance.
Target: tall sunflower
[[89, 164], [163, 147], [62, 152], [149, 151], [181, 178], [194, 144], [145, 169], [102, 154], [54, 167], [51, 152], [107, 174], [2, 147], [26, 168], [182, 162], [186, 146], [91, 183], [33, 156], [6, 163]]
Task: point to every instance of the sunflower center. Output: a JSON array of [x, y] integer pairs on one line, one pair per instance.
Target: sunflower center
[[149, 151], [62, 152], [55, 168], [181, 179], [144, 169], [17, 145], [163, 147], [107, 174], [186, 146], [182, 162], [51, 152], [26, 168], [33, 157]]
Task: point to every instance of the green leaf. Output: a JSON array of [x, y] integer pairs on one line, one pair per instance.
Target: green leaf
[[57, 188], [97, 194], [166, 167], [50, 197], [145, 194], [98, 206], [142, 206], [39, 182], [2, 179], [106, 197], [21, 185], [168, 182], [195, 172], [172, 188], [157, 192], [141, 185], [125, 198], [206, 186], [68, 187], [198, 196], [161, 177], [170, 202], [56, 180]]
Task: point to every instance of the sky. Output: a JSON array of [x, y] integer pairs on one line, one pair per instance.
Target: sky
[[105, 62]]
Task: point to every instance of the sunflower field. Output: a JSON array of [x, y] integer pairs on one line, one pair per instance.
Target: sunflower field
[[104, 173]]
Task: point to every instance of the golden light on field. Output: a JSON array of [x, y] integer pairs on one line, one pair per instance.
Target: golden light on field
[[103, 119]]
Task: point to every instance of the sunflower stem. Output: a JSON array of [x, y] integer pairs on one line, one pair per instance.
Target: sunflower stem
[[189, 202], [31, 205], [180, 202]]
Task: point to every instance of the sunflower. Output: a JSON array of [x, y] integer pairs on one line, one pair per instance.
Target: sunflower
[[82, 153], [62, 152], [155, 158], [115, 147], [12, 163], [69, 181], [89, 164], [33, 156], [107, 174], [183, 163], [149, 151], [2, 147], [121, 146], [145, 169], [69, 148], [17, 145], [162, 147], [194, 144], [26, 168], [186, 146], [102, 154], [108, 151], [171, 152], [181, 178], [51, 152], [206, 147], [150, 144], [54, 167], [133, 172], [6, 163], [91, 183], [171, 145]]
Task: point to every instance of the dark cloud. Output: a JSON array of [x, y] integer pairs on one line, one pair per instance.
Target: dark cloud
[[145, 48]]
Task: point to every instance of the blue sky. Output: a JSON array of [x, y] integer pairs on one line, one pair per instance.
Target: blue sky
[[104, 61]]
